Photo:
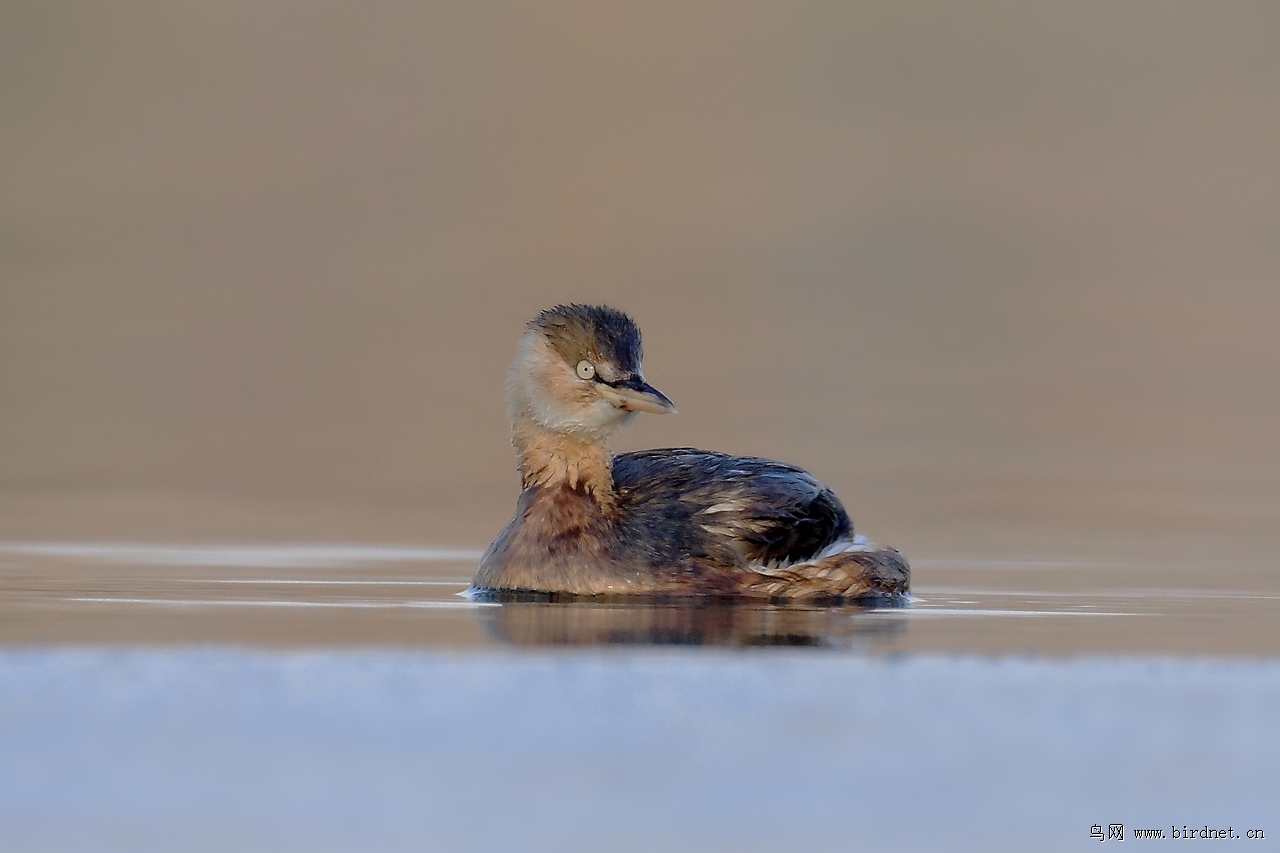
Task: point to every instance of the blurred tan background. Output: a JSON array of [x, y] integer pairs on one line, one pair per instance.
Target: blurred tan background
[[1005, 275]]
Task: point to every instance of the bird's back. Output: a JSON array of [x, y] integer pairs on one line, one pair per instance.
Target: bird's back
[[678, 505]]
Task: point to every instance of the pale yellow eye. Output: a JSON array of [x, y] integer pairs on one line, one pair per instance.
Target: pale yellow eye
[[586, 370]]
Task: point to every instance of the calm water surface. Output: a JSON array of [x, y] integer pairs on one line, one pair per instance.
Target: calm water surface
[[337, 697], [411, 596]]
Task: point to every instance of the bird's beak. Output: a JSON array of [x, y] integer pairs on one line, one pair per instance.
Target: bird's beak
[[636, 395]]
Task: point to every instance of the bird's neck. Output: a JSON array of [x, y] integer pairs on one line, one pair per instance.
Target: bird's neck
[[553, 459]]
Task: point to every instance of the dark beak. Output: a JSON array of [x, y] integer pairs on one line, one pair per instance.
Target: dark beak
[[633, 394]]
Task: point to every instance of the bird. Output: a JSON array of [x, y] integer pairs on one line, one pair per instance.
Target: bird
[[668, 523]]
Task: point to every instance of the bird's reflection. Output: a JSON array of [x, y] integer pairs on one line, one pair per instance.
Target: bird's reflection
[[580, 623]]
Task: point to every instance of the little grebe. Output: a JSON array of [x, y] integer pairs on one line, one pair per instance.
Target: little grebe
[[677, 521]]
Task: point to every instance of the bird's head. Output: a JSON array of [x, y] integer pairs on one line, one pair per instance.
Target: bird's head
[[577, 371]]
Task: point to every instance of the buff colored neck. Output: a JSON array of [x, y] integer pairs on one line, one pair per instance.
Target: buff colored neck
[[549, 458]]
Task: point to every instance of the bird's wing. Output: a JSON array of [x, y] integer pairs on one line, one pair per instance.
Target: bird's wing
[[682, 502]]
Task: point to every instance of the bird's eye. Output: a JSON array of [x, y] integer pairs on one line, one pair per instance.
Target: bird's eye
[[586, 370]]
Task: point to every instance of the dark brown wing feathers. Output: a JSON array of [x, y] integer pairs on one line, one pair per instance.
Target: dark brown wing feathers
[[680, 502]]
